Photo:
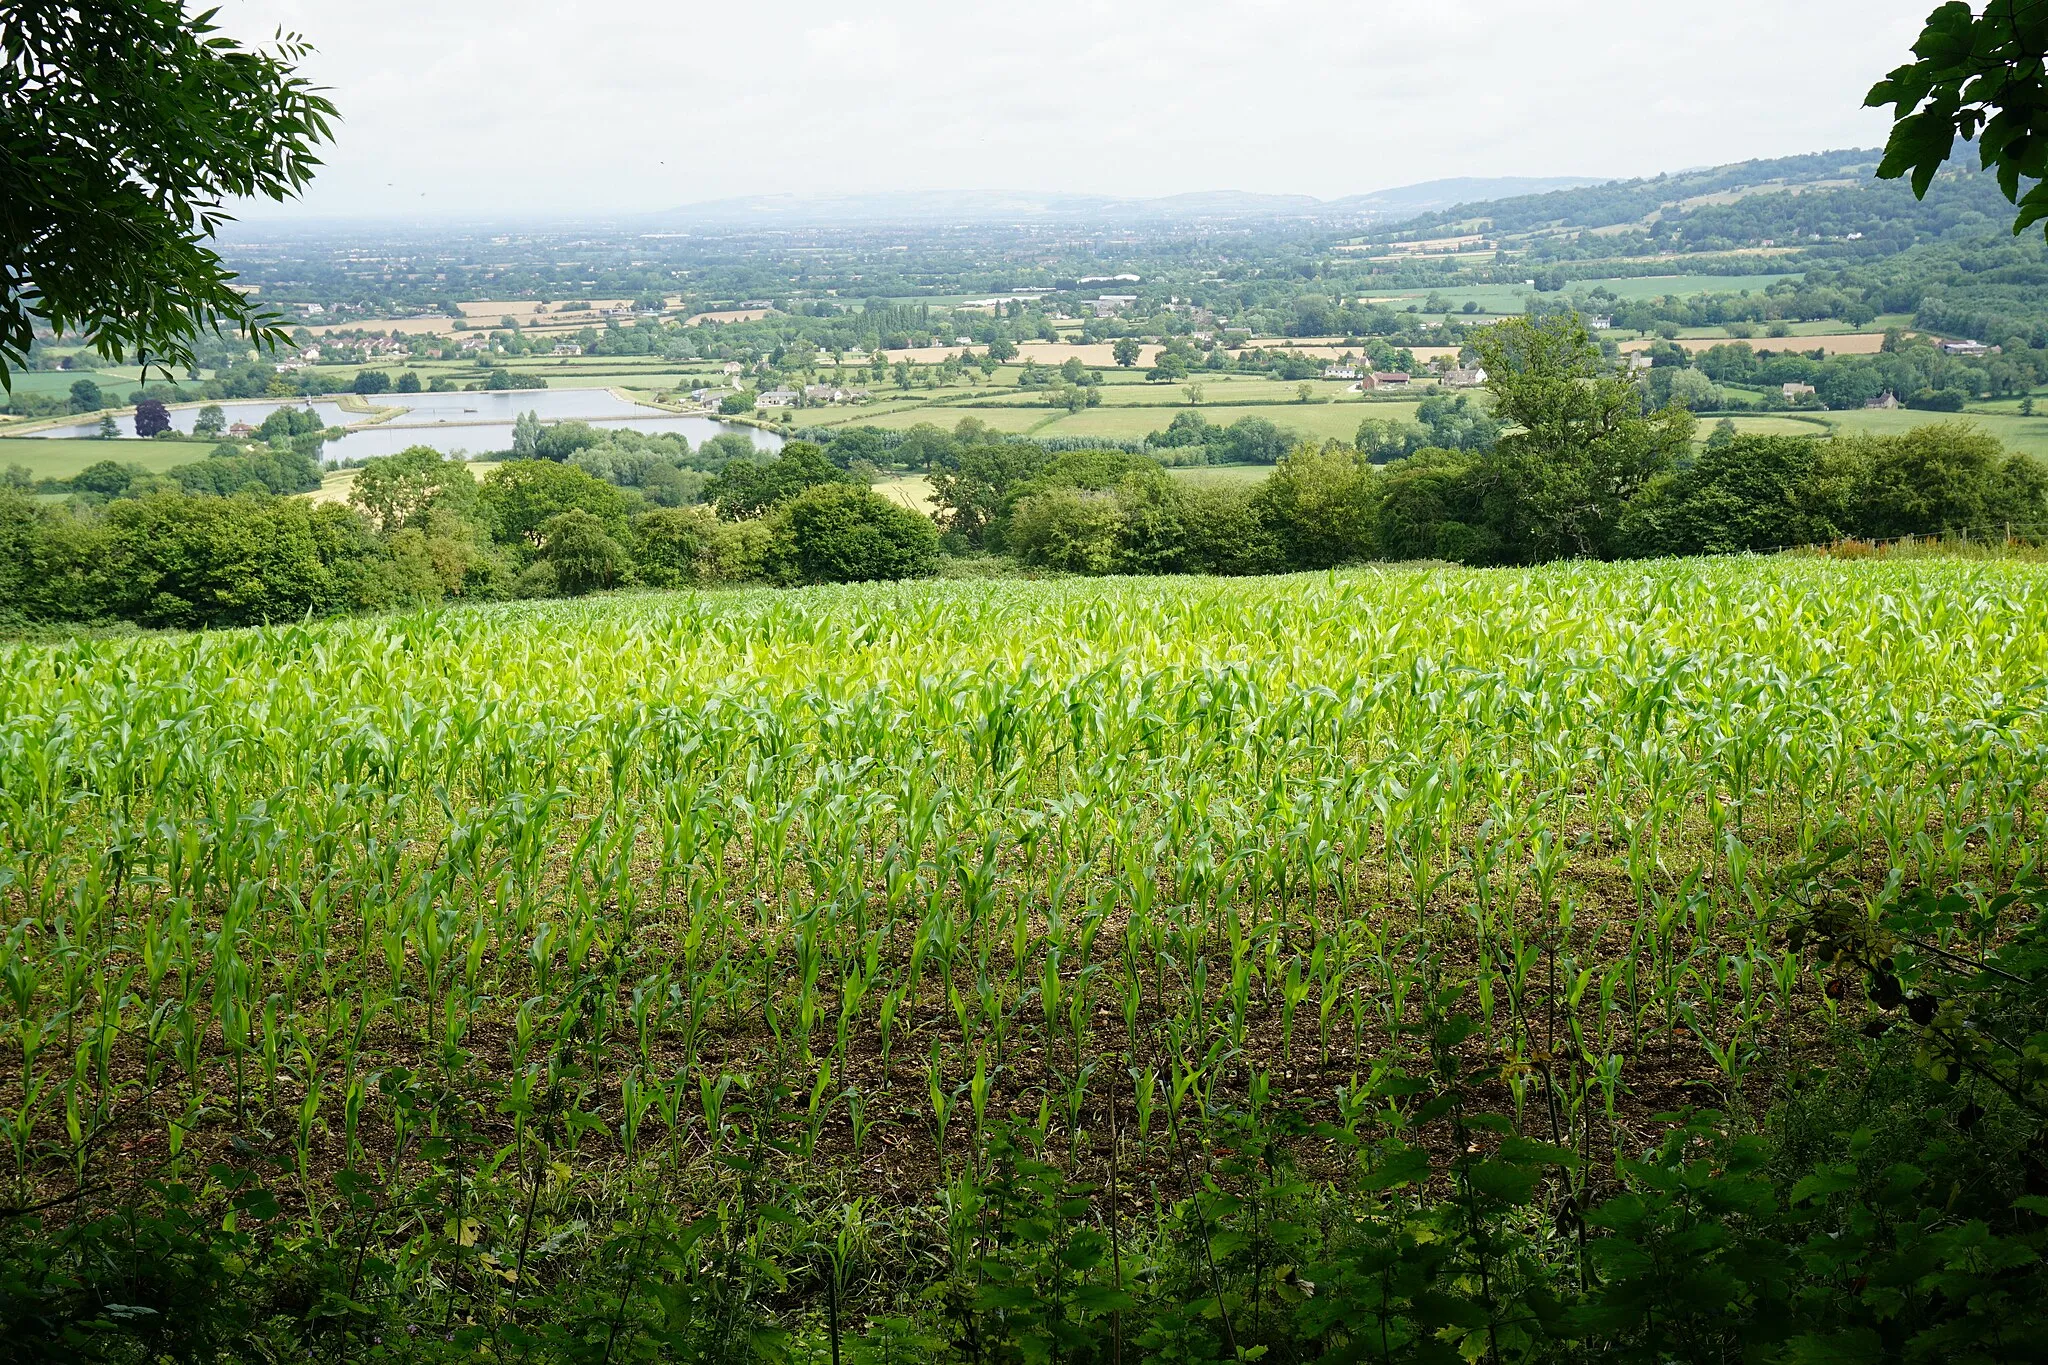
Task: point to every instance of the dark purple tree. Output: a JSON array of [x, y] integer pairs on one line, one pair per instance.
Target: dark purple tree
[[151, 417]]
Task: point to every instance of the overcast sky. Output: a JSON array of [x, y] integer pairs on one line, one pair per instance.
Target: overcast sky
[[518, 107]]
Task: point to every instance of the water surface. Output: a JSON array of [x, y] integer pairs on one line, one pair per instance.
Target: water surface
[[185, 416], [452, 423]]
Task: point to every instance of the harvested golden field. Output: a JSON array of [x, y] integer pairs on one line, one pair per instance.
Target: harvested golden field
[[1838, 343]]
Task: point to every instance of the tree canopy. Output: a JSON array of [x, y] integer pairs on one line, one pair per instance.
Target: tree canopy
[[124, 127], [1580, 445], [843, 533], [1979, 77]]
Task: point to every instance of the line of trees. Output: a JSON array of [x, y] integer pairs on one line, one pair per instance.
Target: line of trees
[[420, 528], [1582, 470], [1568, 464]]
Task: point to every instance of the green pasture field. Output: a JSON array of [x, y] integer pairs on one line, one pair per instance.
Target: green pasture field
[[2020, 433], [1758, 339], [912, 490], [638, 381], [615, 372], [1509, 298], [1324, 421], [60, 381], [1131, 408], [1770, 424], [1319, 420], [1229, 391], [1016, 421], [1125, 415], [1657, 286], [936, 302], [61, 457], [2029, 434]]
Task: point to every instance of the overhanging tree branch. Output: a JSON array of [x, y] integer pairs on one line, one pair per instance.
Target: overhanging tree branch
[[125, 127], [1979, 78]]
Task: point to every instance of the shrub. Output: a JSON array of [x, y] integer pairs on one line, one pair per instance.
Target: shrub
[[582, 553], [393, 490], [670, 544], [520, 495], [263, 471], [536, 580], [1945, 476], [737, 551], [744, 488], [563, 439], [1429, 506], [839, 533], [287, 422], [1938, 400], [107, 478], [1225, 532], [972, 487], [1152, 534], [1323, 506], [53, 563], [1068, 529], [1250, 440], [456, 553], [178, 560], [1746, 493]]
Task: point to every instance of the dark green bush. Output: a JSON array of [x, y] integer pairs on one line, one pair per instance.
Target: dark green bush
[[746, 488], [840, 533], [582, 554], [669, 544]]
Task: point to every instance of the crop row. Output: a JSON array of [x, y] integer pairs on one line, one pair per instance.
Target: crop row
[[571, 888]]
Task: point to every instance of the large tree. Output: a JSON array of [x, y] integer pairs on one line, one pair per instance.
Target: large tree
[[395, 491], [1979, 77], [972, 488], [744, 489], [1578, 444], [843, 533], [125, 126]]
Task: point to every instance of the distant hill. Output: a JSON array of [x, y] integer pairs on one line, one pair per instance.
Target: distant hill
[[1614, 202], [1823, 205], [1432, 195], [1200, 206]]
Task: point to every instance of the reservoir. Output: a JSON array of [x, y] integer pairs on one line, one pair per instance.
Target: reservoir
[[252, 411], [452, 423]]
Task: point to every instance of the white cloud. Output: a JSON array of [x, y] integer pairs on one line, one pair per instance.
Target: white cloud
[[520, 107]]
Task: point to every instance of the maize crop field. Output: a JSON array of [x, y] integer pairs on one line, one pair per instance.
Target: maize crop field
[[743, 962]]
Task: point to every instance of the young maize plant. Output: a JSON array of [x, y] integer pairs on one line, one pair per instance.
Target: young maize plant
[[520, 946]]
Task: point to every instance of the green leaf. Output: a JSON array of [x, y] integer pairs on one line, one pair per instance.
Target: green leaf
[[1822, 1183], [1528, 1152], [1227, 1242], [1504, 1181], [1397, 1167], [1100, 1298], [1859, 1347]]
